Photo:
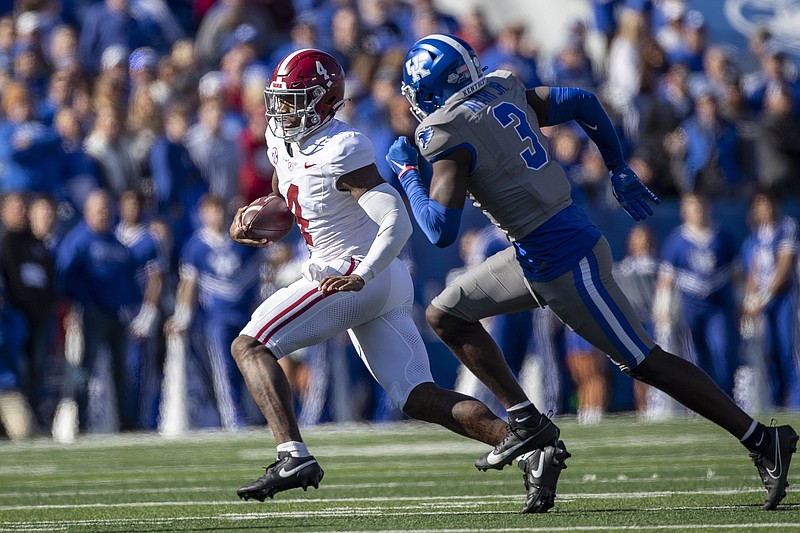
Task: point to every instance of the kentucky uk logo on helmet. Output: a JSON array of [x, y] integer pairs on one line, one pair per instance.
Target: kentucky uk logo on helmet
[[437, 67]]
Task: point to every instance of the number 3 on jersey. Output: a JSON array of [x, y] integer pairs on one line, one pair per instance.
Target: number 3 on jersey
[[505, 114], [294, 205]]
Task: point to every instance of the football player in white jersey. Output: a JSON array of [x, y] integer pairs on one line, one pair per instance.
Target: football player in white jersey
[[354, 224]]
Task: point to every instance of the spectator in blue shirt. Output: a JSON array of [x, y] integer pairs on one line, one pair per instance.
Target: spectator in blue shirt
[[58, 93], [110, 146], [120, 22], [769, 256], [30, 152], [775, 72], [218, 288], [176, 179], [222, 20], [692, 46], [708, 152], [150, 256], [216, 156], [511, 52], [777, 142], [98, 272], [573, 68], [697, 264], [81, 173]]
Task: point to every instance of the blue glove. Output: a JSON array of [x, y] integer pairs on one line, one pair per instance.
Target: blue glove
[[631, 193], [402, 155]]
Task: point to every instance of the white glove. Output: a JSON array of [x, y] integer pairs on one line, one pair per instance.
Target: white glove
[[144, 323], [179, 322]]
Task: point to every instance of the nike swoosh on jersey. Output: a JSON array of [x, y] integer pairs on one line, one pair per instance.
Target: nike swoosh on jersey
[[306, 165], [537, 472], [286, 473], [593, 128]]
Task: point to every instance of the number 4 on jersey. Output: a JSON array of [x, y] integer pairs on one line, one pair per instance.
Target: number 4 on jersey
[[294, 205]]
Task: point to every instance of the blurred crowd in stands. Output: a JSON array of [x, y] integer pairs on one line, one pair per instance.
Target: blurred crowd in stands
[[131, 130]]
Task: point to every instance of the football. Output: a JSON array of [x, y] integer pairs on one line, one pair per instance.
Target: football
[[268, 218]]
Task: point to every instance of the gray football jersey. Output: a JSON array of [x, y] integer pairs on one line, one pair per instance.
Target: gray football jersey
[[512, 179]]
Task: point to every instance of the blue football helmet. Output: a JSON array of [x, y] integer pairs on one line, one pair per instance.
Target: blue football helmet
[[437, 67]]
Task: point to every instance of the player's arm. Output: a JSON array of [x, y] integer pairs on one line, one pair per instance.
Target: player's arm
[[384, 206], [142, 325], [783, 272], [557, 105], [185, 298], [437, 212], [756, 300], [275, 190], [663, 300]]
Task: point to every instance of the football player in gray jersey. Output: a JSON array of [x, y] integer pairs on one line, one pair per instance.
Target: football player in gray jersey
[[481, 133]]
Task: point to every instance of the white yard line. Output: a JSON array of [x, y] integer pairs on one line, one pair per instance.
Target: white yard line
[[62, 525], [477, 500], [384, 485]]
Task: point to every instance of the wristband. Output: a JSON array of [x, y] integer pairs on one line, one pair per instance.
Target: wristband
[[405, 170]]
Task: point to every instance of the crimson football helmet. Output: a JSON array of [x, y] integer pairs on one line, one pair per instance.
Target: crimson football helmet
[[306, 90]]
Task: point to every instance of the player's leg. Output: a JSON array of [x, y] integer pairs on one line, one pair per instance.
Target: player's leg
[[294, 317], [589, 300], [475, 349], [494, 287], [295, 467], [395, 354], [393, 351]]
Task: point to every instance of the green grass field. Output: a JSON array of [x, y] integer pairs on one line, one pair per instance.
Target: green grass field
[[680, 475]]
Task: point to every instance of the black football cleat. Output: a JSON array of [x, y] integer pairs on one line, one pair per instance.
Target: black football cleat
[[540, 472], [519, 440], [286, 473], [773, 466]]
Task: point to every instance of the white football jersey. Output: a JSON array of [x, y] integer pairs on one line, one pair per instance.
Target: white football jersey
[[332, 223]]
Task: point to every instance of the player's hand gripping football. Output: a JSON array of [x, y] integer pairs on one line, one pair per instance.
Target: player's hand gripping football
[[402, 155], [631, 193], [238, 231]]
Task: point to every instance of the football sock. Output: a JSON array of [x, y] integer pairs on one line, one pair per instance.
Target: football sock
[[757, 438], [295, 448], [521, 405], [524, 413]]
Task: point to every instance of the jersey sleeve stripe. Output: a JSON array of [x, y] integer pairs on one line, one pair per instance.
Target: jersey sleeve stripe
[[466, 146]]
